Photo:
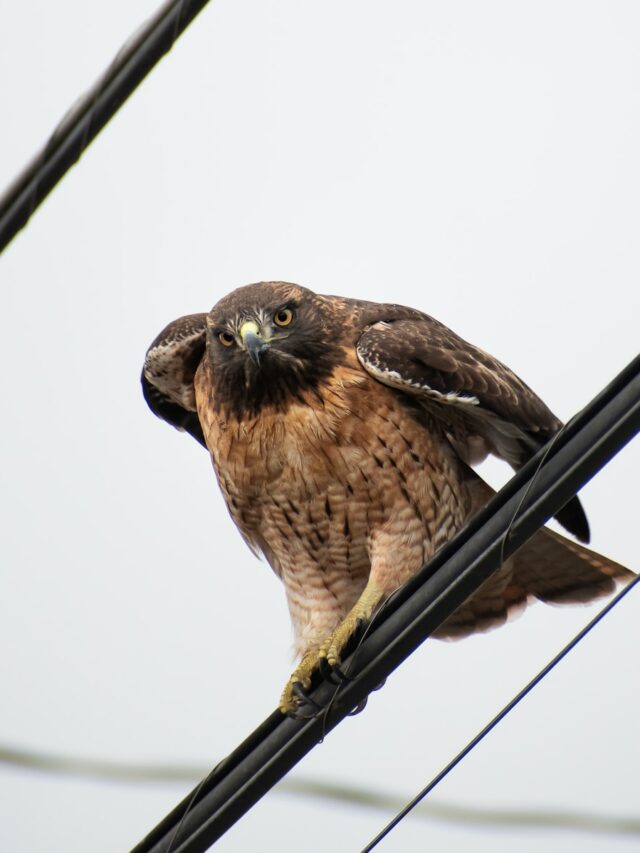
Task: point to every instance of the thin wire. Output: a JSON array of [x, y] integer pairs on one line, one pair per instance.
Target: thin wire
[[525, 495], [503, 544], [257, 764], [368, 627], [194, 796], [501, 715]]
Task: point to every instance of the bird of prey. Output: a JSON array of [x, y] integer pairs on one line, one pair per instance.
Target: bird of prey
[[342, 434]]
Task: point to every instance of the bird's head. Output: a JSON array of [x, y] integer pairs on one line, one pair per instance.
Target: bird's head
[[267, 344]]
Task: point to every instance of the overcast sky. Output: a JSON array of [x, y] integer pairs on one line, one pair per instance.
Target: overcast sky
[[478, 161]]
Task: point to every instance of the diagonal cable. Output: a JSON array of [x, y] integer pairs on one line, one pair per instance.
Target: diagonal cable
[[587, 443], [500, 716], [92, 111]]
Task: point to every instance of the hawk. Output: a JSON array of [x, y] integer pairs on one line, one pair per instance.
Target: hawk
[[343, 435]]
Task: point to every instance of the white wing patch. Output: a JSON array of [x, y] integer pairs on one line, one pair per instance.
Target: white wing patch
[[163, 368], [395, 380]]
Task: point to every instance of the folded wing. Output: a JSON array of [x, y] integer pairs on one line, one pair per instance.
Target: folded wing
[[486, 408], [169, 369]]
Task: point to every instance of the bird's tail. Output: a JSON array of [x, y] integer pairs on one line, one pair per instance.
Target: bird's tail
[[547, 567], [558, 571]]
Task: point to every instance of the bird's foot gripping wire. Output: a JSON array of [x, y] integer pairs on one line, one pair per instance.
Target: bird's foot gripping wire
[[296, 701], [326, 661]]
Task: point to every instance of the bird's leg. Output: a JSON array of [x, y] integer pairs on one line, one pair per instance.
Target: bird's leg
[[358, 616], [328, 656]]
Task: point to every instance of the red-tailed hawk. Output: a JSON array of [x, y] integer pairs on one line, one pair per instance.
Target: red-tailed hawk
[[342, 434]]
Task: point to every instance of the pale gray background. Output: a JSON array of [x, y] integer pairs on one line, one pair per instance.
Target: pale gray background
[[476, 160]]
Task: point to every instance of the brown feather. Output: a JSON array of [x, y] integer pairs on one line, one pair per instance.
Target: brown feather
[[342, 452]]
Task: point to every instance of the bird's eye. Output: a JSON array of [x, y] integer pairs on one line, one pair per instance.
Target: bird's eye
[[226, 339], [283, 317]]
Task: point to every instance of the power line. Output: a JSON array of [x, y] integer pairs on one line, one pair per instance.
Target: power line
[[499, 717], [543, 819], [430, 597], [89, 115], [491, 818], [549, 480]]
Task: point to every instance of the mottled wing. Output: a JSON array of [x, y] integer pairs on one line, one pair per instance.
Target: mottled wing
[[169, 369], [486, 407]]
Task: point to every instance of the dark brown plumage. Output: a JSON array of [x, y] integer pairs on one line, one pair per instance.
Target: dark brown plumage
[[342, 434]]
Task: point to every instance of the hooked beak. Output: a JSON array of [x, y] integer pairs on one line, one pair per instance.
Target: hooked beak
[[254, 344]]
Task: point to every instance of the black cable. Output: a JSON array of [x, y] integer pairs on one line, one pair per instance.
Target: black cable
[[499, 716], [89, 115], [419, 608]]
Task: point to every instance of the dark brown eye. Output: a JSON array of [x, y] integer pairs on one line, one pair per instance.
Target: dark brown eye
[[226, 339], [283, 317]]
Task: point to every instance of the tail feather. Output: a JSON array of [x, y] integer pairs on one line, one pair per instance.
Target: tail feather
[[498, 600], [547, 567], [555, 570]]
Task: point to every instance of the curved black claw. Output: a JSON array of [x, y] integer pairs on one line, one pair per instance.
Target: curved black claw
[[332, 674], [307, 707], [340, 674]]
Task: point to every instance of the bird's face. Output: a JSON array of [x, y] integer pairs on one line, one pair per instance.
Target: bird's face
[[267, 344]]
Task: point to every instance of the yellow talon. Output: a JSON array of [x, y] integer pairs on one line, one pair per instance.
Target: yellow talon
[[330, 650]]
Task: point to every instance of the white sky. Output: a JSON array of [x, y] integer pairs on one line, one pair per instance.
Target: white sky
[[476, 160]]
